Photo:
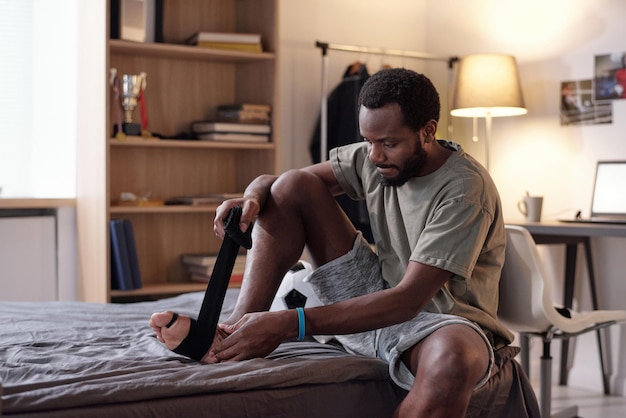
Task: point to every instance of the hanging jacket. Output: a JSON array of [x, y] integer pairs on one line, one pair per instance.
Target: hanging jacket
[[343, 129]]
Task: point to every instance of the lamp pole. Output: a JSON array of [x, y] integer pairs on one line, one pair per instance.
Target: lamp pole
[[488, 121]]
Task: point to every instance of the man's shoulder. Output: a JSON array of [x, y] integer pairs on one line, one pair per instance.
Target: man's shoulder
[[463, 165], [353, 155]]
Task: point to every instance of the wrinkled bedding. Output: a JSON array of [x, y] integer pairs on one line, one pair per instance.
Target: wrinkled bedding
[[76, 359], [57, 355]]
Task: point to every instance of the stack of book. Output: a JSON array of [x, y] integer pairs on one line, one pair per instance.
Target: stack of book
[[244, 113], [125, 273], [201, 199], [231, 131], [246, 42], [200, 266]]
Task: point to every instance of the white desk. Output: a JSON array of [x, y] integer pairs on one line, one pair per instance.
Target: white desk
[[576, 229]]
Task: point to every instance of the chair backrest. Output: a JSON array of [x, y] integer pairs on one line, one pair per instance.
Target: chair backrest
[[525, 287]]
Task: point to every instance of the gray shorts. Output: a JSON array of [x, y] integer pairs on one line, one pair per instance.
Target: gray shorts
[[357, 273]]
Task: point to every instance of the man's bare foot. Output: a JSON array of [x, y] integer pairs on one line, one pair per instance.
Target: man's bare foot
[[176, 333]]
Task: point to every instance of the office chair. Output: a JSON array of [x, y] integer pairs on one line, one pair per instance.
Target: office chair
[[526, 307]]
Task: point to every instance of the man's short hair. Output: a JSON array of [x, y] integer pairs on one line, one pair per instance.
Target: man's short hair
[[414, 92]]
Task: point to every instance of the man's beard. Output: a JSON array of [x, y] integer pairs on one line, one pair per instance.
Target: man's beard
[[410, 169]]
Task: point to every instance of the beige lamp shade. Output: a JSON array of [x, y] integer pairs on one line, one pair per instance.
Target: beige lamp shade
[[487, 85]]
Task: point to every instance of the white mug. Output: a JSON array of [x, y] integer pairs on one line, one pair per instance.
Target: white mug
[[530, 207]]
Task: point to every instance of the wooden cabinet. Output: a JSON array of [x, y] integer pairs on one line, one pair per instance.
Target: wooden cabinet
[[185, 84]]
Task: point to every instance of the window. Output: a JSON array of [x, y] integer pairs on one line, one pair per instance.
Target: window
[[38, 98]]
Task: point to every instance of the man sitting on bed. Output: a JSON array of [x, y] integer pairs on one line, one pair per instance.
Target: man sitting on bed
[[425, 300]]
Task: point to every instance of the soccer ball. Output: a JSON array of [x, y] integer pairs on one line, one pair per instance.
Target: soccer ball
[[295, 291]]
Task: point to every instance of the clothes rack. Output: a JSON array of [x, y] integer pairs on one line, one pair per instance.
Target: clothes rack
[[325, 47]]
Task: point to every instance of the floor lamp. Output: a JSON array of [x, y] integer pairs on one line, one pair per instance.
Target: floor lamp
[[487, 86]]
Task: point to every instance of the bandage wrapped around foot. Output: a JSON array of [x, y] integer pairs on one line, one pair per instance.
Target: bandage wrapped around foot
[[202, 330]]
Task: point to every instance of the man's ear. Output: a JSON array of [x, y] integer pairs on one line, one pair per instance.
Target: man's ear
[[430, 129]]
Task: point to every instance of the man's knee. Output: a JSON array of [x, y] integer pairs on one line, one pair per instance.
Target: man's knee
[[458, 354], [297, 184]]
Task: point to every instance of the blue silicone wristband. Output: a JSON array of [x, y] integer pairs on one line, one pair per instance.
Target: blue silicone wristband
[[301, 324]]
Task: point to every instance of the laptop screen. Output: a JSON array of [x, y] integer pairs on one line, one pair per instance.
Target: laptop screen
[[609, 192]]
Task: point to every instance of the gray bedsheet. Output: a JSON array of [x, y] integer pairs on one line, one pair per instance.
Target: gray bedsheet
[[60, 355], [75, 359]]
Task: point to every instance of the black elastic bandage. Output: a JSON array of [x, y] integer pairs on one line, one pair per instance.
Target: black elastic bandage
[[202, 331]]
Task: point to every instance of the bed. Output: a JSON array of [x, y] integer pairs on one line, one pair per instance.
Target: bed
[[77, 359]]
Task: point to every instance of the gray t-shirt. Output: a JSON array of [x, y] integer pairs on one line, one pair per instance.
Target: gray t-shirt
[[450, 219]]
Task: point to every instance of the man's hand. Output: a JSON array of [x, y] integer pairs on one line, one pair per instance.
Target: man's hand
[[250, 210], [255, 335]]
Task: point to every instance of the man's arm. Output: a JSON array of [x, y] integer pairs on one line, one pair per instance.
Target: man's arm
[[257, 334], [379, 309]]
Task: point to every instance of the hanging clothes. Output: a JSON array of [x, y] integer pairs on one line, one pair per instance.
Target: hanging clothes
[[343, 114], [343, 129]]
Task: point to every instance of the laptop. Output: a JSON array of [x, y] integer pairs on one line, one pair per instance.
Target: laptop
[[608, 203]]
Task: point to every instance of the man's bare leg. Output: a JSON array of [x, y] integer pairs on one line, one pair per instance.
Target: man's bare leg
[[299, 212], [447, 366]]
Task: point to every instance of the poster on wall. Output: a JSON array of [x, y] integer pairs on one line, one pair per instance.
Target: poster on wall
[[610, 76], [578, 106]]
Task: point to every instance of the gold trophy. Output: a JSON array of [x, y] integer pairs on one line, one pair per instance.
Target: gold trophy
[[128, 90]]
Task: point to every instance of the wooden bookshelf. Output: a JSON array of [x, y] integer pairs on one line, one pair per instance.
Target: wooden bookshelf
[[184, 84], [156, 291], [188, 52], [165, 143]]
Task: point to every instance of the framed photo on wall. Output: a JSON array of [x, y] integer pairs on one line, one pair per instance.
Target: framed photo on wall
[[578, 106], [610, 76]]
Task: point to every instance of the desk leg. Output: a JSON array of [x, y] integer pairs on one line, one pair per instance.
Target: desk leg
[[594, 303], [568, 297]]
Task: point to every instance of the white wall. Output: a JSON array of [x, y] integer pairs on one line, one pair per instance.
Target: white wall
[[553, 41], [302, 22]]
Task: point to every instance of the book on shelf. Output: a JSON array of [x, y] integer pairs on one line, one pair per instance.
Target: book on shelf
[[246, 106], [202, 199], [200, 266], [233, 37], [125, 274], [233, 137], [136, 22], [243, 116], [199, 127], [121, 275], [132, 253], [235, 279], [200, 278], [201, 270], [207, 269], [232, 46], [207, 260], [198, 259]]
